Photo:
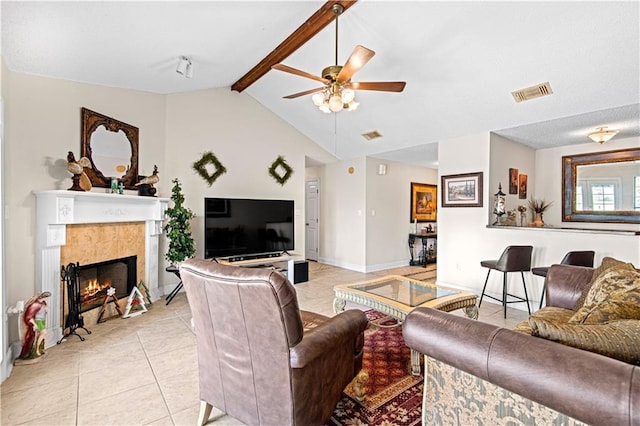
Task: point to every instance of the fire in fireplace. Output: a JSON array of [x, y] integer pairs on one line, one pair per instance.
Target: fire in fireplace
[[95, 279]]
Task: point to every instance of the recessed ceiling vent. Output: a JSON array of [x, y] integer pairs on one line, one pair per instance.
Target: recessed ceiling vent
[[542, 89], [374, 134]]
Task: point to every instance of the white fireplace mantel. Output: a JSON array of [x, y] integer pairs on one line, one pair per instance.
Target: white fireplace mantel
[[57, 209]]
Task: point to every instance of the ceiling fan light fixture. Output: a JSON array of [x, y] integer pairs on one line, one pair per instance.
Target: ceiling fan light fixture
[[602, 135], [318, 99], [335, 103], [352, 106], [348, 95], [325, 108]]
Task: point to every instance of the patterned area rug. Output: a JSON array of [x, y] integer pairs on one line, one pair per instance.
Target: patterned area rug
[[394, 396]]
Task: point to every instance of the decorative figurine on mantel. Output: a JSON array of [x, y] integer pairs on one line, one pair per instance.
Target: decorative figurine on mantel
[[537, 208], [523, 211], [34, 319], [80, 179], [145, 186], [499, 200]]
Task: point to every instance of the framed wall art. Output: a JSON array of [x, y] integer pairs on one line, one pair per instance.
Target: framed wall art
[[522, 183], [424, 200], [462, 190], [513, 181]]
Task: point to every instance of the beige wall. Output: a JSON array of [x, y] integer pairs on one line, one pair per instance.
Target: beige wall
[[506, 154], [246, 138], [388, 199], [466, 240], [42, 123]]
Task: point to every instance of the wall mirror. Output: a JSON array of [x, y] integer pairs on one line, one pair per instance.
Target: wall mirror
[[601, 187], [112, 148]]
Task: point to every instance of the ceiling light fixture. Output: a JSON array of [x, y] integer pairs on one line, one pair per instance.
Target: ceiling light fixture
[[602, 135], [336, 96], [185, 67]]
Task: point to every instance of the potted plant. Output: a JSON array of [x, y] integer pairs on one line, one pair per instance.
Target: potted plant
[[538, 207], [178, 228]]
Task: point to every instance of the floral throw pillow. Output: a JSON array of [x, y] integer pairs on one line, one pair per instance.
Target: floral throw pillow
[[608, 263], [614, 295]]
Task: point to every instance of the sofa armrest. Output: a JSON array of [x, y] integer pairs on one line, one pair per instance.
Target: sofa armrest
[[565, 284], [338, 330], [586, 386]]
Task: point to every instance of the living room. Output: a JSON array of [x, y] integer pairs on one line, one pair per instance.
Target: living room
[[42, 123]]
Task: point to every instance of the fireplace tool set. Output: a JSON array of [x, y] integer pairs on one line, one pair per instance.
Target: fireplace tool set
[[71, 277]]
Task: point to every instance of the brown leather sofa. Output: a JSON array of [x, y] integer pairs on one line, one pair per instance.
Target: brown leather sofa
[[261, 359], [483, 374]]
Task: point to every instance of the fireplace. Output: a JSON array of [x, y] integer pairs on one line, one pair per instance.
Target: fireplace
[[95, 279], [92, 227]]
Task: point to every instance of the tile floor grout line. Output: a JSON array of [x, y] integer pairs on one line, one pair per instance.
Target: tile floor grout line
[[156, 379]]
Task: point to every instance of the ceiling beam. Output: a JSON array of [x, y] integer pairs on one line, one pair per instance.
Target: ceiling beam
[[312, 26]]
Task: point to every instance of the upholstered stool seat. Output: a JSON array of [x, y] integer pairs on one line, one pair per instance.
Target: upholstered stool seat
[[575, 258], [513, 259]]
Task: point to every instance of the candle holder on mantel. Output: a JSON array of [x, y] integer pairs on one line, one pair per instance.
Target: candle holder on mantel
[[499, 201]]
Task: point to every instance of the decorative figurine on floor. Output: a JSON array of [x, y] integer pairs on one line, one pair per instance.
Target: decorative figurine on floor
[[145, 186], [80, 179], [34, 318]]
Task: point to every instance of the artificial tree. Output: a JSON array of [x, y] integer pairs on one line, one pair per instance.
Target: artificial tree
[[178, 228]]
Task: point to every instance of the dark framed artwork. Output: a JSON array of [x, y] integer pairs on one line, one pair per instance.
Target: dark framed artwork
[[522, 184], [424, 200], [513, 181], [462, 190]]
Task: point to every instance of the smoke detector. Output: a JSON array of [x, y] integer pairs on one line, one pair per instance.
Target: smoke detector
[[528, 93]]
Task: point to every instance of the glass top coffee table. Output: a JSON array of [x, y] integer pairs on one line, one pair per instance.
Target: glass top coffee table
[[396, 296]]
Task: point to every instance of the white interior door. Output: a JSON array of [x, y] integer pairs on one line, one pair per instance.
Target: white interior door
[[312, 193]]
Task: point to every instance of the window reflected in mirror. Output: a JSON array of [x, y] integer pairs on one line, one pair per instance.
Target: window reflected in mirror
[[602, 186]]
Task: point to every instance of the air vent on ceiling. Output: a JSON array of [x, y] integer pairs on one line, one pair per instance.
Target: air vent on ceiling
[[542, 89], [374, 134]]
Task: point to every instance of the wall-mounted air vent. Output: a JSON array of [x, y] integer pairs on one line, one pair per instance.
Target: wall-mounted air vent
[[374, 134], [543, 89]]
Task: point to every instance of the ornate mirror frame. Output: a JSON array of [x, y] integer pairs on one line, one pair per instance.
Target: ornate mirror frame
[[569, 179], [91, 121]]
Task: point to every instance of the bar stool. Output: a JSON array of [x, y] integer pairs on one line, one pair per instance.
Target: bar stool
[[575, 258], [513, 259]]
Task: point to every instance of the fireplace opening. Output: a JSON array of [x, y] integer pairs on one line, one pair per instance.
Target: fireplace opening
[[95, 279]]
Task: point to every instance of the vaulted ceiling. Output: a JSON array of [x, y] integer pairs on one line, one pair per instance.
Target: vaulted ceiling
[[461, 61]]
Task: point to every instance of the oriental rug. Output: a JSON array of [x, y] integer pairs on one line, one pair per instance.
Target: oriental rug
[[394, 396]]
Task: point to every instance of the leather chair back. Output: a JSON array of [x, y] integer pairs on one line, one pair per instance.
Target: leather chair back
[[515, 259], [579, 258], [255, 360]]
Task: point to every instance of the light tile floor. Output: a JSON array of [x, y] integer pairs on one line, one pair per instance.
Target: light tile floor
[[143, 370]]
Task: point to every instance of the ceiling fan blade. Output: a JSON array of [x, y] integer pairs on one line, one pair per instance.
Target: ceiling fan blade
[[382, 86], [286, 68], [306, 92], [359, 57]]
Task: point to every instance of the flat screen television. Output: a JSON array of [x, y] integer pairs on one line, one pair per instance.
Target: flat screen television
[[238, 227]]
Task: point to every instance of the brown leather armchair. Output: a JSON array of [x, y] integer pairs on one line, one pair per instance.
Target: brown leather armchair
[[261, 359]]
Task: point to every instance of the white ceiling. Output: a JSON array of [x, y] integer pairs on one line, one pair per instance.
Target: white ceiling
[[460, 60]]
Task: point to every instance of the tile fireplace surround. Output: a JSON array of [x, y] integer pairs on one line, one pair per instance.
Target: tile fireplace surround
[[55, 210]]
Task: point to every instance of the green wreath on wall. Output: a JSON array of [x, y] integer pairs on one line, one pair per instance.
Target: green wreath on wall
[[280, 163], [200, 167]]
